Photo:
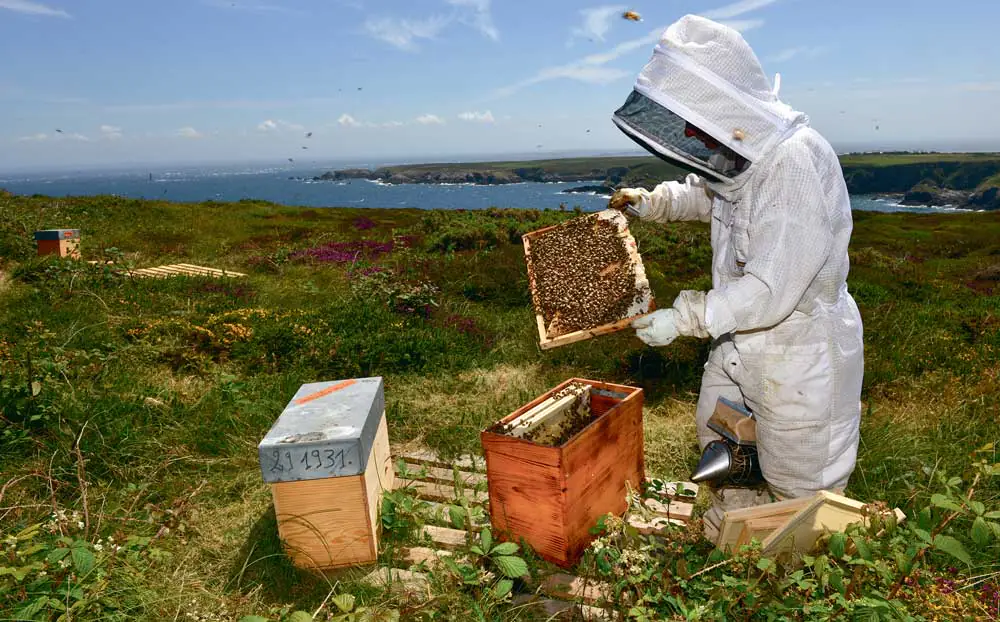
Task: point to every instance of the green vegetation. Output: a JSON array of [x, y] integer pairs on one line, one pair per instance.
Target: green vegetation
[[131, 410]]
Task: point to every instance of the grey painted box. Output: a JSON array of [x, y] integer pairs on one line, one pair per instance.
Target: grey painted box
[[58, 234], [326, 430]]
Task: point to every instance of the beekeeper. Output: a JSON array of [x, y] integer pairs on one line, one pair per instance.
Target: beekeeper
[[786, 335]]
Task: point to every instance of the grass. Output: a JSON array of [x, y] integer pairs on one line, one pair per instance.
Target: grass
[[151, 395]]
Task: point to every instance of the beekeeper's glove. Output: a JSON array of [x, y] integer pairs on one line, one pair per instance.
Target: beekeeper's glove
[[659, 328], [634, 201]]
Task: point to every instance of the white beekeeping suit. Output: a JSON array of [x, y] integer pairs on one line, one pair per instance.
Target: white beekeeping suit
[[786, 335]]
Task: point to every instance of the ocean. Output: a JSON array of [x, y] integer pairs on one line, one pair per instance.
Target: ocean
[[293, 186]]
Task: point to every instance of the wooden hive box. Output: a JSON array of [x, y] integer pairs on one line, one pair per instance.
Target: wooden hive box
[[327, 461], [550, 334], [552, 496], [62, 242], [793, 525]]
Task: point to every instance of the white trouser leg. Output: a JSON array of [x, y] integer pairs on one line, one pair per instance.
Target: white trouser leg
[[715, 383]]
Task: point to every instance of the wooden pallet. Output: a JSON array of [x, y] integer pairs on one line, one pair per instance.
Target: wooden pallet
[[556, 594], [183, 269]]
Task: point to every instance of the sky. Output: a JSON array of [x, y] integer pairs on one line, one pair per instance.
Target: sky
[[115, 82]]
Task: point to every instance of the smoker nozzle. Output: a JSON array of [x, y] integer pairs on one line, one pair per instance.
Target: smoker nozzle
[[715, 463]]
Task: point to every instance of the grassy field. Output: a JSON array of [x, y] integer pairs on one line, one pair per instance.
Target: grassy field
[[131, 409], [893, 159]]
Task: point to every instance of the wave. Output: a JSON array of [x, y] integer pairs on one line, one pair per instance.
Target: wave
[[586, 194]]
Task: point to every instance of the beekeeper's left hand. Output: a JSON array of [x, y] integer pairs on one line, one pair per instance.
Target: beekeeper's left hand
[[659, 328]]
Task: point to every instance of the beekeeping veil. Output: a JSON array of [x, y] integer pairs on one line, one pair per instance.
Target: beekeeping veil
[[704, 74]]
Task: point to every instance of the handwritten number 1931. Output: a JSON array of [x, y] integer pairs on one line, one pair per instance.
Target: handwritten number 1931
[[310, 460]]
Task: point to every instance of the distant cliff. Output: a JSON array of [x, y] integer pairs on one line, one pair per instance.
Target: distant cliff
[[481, 174], [961, 180]]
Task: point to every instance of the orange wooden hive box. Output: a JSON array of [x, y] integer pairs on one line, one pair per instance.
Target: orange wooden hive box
[[552, 496], [327, 461], [62, 242]]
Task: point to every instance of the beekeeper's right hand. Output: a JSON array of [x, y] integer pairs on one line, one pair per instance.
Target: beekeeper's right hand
[[668, 202], [633, 201]]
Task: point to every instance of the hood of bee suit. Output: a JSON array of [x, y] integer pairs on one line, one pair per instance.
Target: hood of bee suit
[[704, 73]]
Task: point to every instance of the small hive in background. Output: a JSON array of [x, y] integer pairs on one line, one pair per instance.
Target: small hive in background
[[327, 461], [62, 242]]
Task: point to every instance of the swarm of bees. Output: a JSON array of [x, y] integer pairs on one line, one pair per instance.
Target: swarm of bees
[[582, 274], [632, 16]]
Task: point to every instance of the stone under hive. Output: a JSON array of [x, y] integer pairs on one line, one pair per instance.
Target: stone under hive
[[327, 461], [586, 278]]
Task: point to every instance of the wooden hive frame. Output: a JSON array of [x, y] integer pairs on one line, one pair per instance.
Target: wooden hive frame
[[547, 342], [792, 525]]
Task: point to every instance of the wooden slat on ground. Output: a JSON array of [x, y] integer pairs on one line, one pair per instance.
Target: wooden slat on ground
[[183, 269], [558, 595], [445, 493], [476, 464]]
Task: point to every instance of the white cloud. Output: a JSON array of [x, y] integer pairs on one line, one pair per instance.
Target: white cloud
[[736, 9], [189, 132], [430, 119], [597, 21], [401, 33], [32, 8], [270, 125], [347, 120], [743, 25], [481, 20], [111, 132], [805, 51], [481, 117], [35, 138], [590, 69]]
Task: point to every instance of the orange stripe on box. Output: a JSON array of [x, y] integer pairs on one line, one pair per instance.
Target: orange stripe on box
[[326, 391]]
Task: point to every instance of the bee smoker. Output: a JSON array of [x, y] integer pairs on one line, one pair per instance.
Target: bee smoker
[[733, 460]]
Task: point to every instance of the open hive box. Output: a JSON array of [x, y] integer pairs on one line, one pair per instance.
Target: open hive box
[[586, 278], [557, 464]]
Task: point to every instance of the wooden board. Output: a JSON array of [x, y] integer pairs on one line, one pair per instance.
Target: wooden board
[[602, 462], [468, 463], [324, 523], [829, 512], [582, 335], [733, 521], [546, 341], [183, 269], [379, 477], [63, 248]]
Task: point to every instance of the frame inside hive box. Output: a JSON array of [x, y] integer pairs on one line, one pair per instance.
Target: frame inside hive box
[[550, 490], [586, 278]]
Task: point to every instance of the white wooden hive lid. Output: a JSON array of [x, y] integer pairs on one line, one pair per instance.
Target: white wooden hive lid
[[326, 430]]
